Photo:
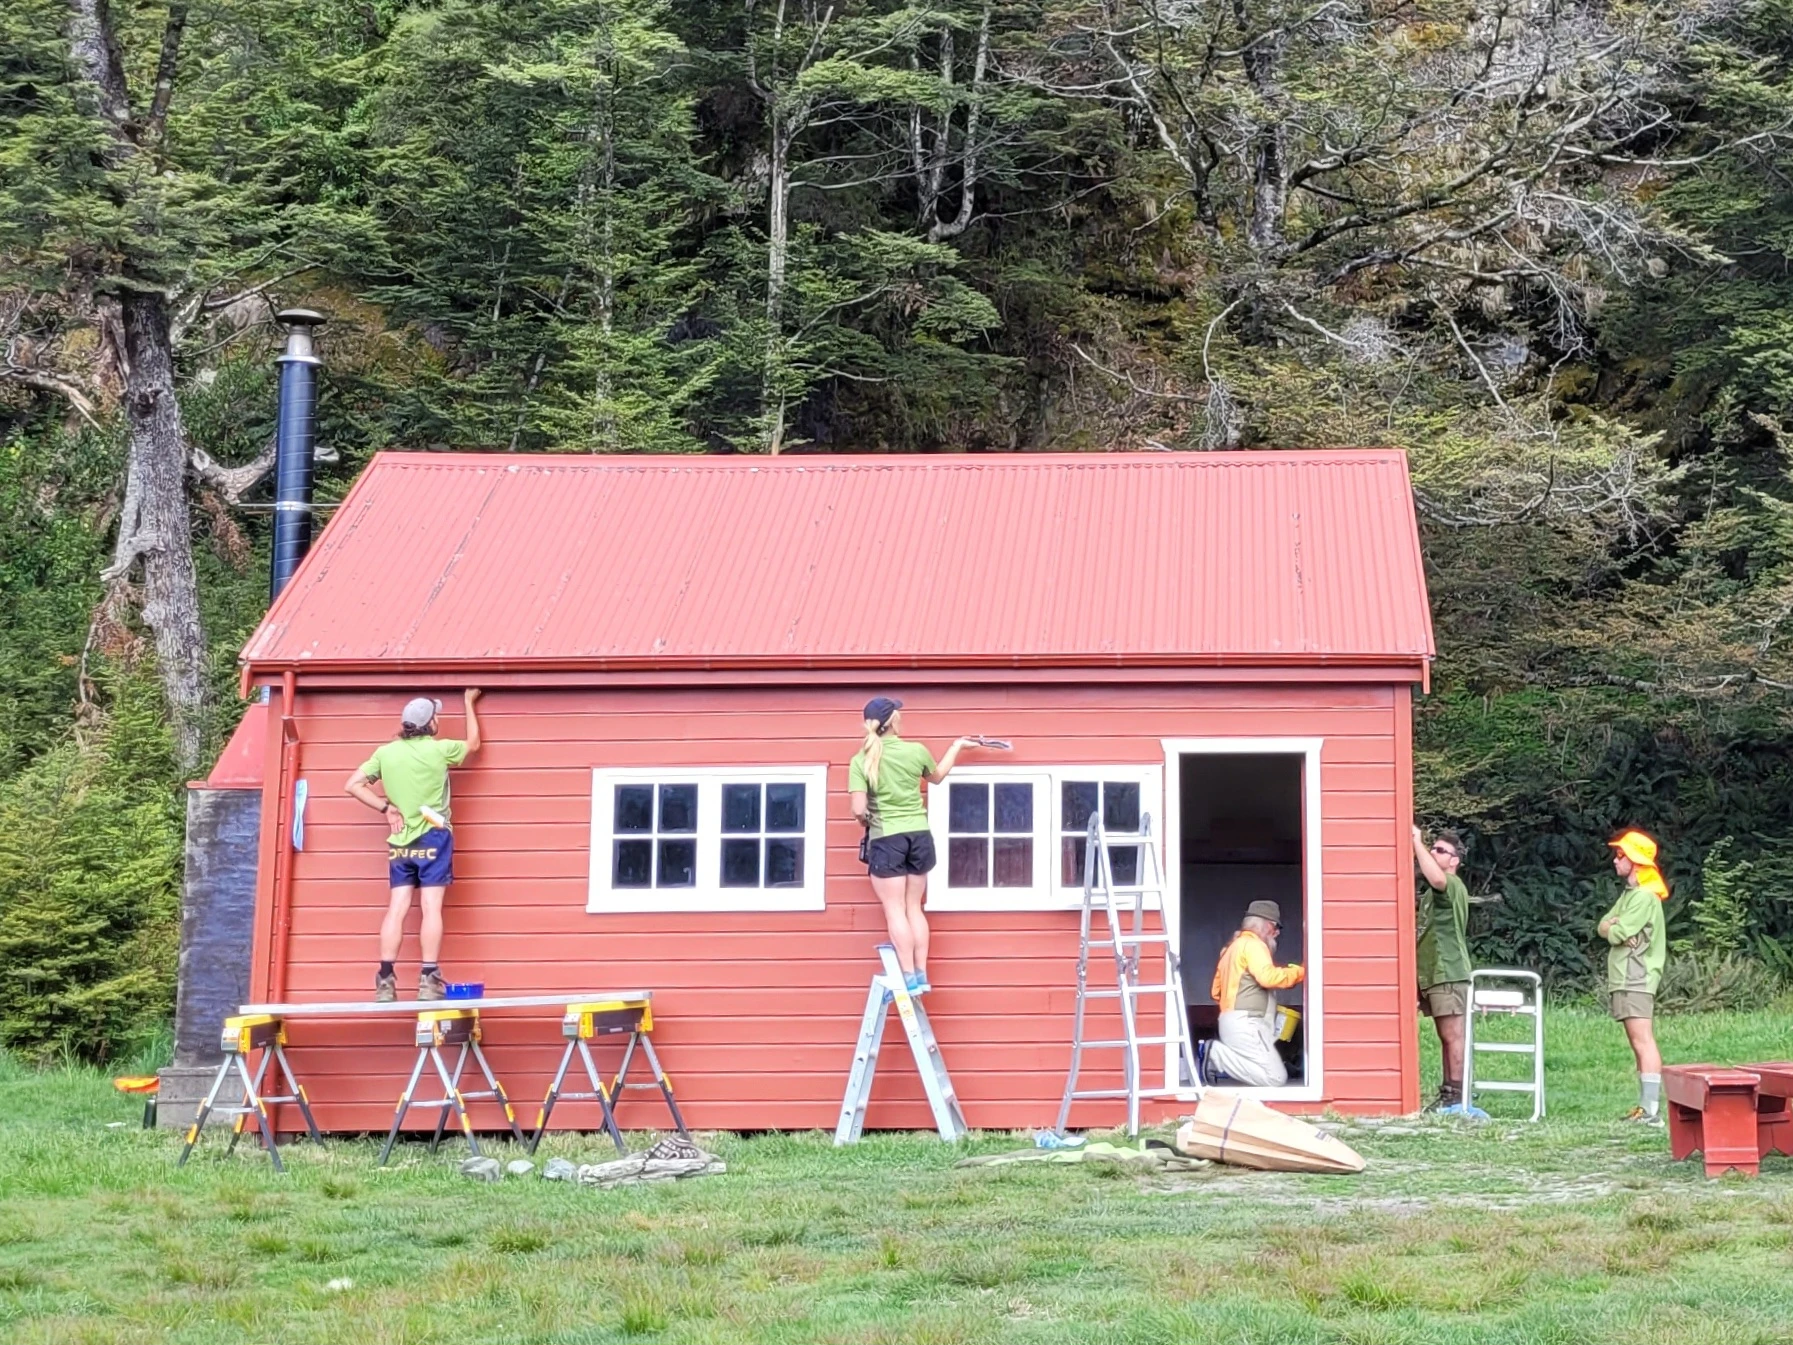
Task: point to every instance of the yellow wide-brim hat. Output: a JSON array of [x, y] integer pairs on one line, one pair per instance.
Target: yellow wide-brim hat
[[1636, 847]]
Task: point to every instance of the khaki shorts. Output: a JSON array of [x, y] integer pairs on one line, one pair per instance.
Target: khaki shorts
[[1633, 1004], [1449, 1000]]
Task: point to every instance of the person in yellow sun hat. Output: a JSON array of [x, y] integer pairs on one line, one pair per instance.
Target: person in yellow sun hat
[[1639, 937]]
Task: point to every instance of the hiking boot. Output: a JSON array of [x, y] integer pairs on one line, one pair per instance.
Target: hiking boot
[[385, 989], [430, 986], [1638, 1116], [1447, 1099]]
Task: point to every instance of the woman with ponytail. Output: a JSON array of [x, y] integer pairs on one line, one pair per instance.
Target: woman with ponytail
[[1638, 936], [885, 779]]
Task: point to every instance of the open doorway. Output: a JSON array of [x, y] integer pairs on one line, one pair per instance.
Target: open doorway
[[1241, 839]]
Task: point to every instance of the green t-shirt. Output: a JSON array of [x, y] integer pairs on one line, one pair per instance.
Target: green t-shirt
[[895, 805], [415, 773], [1443, 945], [1639, 938]]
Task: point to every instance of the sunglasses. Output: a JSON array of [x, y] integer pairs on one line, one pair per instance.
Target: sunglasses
[[1444, 850]]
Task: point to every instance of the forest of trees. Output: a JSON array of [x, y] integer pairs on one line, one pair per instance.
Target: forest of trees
[[1545, 246]]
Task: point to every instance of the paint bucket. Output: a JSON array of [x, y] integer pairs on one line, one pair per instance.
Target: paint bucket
[[464, 990], [1287, 1020]]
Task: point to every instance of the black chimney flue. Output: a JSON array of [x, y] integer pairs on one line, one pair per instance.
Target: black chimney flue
[[295, 444]]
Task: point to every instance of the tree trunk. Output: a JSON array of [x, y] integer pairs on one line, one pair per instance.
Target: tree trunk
[[777, 256], [1269, 155], [154, 529]]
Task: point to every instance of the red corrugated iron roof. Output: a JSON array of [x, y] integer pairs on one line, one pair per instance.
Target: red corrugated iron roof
[[241, 764], [685, 562]]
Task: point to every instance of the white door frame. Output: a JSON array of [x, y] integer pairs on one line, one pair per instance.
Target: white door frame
[[1313, 1090]]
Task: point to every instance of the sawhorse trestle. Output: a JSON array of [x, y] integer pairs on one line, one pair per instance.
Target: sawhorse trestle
[[437, 1028], [242, 1035], [603, 1018]]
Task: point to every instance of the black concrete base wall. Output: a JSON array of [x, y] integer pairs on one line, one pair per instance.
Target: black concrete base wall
[[217, 931]]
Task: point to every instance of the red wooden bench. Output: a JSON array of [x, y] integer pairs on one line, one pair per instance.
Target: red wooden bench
[[1774, 1108], [1712, 1111]]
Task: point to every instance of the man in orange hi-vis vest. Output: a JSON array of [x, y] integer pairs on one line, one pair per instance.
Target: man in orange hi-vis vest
[[1244, 983]]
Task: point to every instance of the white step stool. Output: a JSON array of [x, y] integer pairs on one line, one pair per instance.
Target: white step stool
[[1520, 993]]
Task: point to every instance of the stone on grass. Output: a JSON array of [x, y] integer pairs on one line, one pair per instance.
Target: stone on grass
[[519, 1167], [482, 1169], [560, 1170]]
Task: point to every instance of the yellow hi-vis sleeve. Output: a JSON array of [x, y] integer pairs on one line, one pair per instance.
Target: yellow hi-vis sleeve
[[1246, 954]]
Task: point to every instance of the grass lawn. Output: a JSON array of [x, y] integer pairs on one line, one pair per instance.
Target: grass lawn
[[1576, 1230]]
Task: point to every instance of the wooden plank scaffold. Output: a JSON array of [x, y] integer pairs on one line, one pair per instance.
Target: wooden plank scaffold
[[439, 1023]]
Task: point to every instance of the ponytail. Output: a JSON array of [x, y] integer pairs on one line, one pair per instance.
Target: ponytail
[[873, 750]]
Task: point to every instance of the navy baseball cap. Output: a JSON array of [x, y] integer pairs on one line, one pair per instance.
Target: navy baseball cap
[[881, 708]]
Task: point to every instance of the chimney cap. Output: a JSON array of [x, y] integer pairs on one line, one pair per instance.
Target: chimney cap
[[301, 317]]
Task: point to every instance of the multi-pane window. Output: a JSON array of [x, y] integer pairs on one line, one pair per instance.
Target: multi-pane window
[[656, 836], [717, 838], [762, 835], [1119, 802], [990, 834]]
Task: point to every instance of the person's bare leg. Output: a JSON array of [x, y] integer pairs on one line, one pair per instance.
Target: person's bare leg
[[1450, 1041], [915, 892], [890, 894], [1641, 1033], [392, 928], [429, 934]]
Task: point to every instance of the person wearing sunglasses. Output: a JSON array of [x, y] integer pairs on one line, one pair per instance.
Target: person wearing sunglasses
[[1444, 960], [1245, 985]]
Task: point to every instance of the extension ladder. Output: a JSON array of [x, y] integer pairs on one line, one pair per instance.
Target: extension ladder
[[586, 1019], [888, 987], [1127, 947], [242, 1034], [1526, 1000], [437, 1028]]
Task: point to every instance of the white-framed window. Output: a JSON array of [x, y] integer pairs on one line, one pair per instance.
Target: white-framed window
[[1013, 838], [708, 838], [1125, 796], [992, 827]]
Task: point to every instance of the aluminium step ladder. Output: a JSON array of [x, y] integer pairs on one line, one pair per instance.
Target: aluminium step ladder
[[1521, 995], [887, 988], [1131, 959]]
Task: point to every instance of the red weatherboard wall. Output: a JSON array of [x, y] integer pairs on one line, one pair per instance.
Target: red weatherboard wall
[[756, 1014]]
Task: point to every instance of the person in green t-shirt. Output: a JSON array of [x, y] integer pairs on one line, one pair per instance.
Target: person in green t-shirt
[[413, 769], [1443, 960], [885, 778], [1638, 935]]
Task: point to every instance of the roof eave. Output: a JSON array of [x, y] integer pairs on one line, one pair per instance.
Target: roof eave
[[254, 669]]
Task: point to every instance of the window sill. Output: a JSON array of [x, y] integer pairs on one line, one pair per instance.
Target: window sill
[[703, 900], [941, 900]]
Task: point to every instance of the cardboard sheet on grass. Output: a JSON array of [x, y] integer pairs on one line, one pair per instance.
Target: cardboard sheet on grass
[[1231, 1128], [1226, 1128]]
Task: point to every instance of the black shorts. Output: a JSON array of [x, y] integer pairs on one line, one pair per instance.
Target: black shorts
[[906, 852]]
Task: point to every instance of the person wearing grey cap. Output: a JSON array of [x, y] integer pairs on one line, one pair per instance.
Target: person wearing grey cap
[[1245, 982], [413, 769]]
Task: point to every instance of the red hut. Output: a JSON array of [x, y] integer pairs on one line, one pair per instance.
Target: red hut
[[1224, 642]]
